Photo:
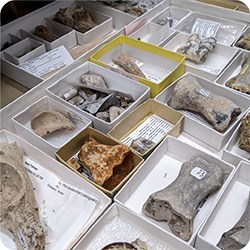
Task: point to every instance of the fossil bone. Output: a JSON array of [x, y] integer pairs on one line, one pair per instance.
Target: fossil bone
[[135, 245], [178, 202], [44, 32], [47, 122], [19, 211], [218, 110], [238, 236], [244, 142]]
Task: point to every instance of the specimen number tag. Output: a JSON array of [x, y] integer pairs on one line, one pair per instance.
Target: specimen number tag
[[198, 173]]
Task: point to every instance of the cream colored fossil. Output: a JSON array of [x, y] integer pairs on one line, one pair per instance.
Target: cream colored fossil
[[18, 211], [47, 122]]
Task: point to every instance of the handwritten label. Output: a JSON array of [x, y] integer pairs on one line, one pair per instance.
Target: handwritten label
[[205, 28], [22, 239], [47, 62], [198, 173]]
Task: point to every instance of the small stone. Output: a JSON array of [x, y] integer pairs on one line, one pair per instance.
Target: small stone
[[114, 112], [103, 116], [76, 100], [94, 80]]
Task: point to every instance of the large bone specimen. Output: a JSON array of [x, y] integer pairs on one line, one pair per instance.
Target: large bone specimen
[[178, 202], [244, 142], [217, 110], [238, 236], [47, 122], [18, 210]]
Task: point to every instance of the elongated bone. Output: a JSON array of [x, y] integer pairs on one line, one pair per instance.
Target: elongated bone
[[178, 202], [238, 236]]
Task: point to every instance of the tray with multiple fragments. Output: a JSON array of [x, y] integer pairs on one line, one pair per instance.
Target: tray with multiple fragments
[[176, 187], [42, 201]]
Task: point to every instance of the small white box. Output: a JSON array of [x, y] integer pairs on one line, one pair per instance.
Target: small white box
[[66, 219], [197, 126], [118, 224], [57, 139], [114, 81], [232, 70], [227, 211], [216, 60], [245, 32], [227, 30], [153, 33], [232, 153], [158, 171]]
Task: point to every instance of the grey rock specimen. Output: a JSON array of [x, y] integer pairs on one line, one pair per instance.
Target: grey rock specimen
[[244, 42], [217, 110], [114, 112], [197, 49], [241, 82], [44, 32], [47, 122], [18, 211], [238, 236], [244, 142], [141, 145], [94, 80], [177, 203], [135, 245]]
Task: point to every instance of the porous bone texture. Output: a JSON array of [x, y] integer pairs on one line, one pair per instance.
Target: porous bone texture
[[244, 142]]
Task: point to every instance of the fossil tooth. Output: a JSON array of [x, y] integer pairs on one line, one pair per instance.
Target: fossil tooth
[[244, 142], [47, 122], [177, 203], [218, 110], [128, 64], [238, 236], [19, 211], [197, 49], [241, 82]]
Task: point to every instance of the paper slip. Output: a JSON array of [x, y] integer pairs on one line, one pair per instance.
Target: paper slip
[[47, 62], [205, 28], [153, 128], [63, 208]]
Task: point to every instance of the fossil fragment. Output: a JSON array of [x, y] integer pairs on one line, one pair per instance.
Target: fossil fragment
[[197, 49], [94, 80], [241, 82], [135, 245], [189, 95], [103, 116], [76, 100], [18, 211], [244, 142], [128, 64], [177, 203], [238, 236], [44, 32], [47, 122], [244, 42], [75, 17], [109, 165], [141, 145], [114, 112], [70, 94], [166, 20]]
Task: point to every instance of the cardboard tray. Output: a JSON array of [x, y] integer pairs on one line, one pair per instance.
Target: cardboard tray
[[67, 225], [114, 81], [161, 66], [197, 126], [55, 140], [151, 107], [128, 227], [158, 171], [224, 216], [74, 145]]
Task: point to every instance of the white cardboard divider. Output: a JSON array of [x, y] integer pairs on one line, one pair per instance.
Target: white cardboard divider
[[227, 31], [215, 62], [232, 153], [233, 69], [128, 227], [57, 139], [10, 40], [69, 221], [197, 126], [227, 211], [158, 171], [114, 81]]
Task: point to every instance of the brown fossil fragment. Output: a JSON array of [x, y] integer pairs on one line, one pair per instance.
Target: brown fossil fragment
[[44, 32], [135, 245], [244, 142], [128, 64], [217, 110], [177, 203], [18, 210], [47, 122], [238, 236], [244, 42]]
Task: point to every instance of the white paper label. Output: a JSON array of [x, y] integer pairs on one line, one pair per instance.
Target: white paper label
[[47, 62], [198, 173], [205, 28], [21, 239], [153, 129]]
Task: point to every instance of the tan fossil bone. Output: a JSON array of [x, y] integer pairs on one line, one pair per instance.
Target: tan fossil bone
[[18, 211]]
